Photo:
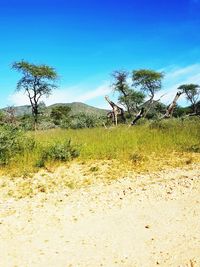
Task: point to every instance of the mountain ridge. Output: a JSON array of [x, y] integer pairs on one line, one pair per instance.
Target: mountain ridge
[[76, 108]]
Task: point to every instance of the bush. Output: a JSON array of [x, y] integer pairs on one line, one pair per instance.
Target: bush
[[12, 143], [83, 120], [57, 152]]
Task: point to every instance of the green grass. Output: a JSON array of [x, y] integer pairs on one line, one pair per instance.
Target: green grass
[[122, 142], [145, 144], [105, 154]]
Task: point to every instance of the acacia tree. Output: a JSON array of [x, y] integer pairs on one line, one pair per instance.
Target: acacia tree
[[128, 97], [35, 82], [149, 82], [192, 92]]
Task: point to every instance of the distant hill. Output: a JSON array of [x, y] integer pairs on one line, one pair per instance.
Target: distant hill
[[21, 110], [76, 108]]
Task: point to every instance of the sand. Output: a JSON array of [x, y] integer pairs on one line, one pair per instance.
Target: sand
[[144, 220]]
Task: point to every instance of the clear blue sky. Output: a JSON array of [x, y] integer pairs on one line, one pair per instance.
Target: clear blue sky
[[85, 40]]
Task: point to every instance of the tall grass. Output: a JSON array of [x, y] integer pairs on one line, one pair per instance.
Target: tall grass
[[122, 142], [149, 143]]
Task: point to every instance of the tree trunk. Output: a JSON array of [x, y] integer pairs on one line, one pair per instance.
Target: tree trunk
[[35, 116]]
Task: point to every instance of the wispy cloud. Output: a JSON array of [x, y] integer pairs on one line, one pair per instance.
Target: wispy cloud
[[65, 95], [179, 73], [175, 76]]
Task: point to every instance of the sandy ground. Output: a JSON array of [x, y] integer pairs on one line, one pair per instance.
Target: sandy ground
[[144, 221]]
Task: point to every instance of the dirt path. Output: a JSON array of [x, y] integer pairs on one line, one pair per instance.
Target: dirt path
[[143, 221]]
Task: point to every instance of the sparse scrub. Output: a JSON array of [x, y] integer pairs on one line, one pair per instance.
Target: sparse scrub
[[102, 154], [142, 146]]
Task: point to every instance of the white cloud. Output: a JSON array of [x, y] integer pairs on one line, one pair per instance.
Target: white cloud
[[98, 92], [67, 95], [174, 78], [180, 72], [18, 99]]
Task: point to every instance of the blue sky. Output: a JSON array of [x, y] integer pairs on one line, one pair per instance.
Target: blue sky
[[86, 40]]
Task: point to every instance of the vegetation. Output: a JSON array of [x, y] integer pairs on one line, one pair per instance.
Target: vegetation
[[137, 98], [151, 140], [60, 115], [149, 81], [192, 92], [75, 131], [13, 142], [128, 97], [35, 83]]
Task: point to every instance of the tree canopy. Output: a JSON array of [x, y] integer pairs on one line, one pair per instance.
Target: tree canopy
[[128, 97], [149, 81], [35, 82], [192, 92]]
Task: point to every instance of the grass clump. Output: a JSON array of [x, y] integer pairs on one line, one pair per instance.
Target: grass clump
[[59, 151], [194, 148]]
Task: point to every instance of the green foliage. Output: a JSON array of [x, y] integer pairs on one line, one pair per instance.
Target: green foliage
[[122, 142], [180, 111], [35, 83], [61, 115], [82, 120], [128, 97], [32, 70], [12, 142], [156, 110], [133, 99], [144, 142], [192, 92], [2, 117], [148, 81], [45, 124], [26, 122], [160, 124], [59, 151]]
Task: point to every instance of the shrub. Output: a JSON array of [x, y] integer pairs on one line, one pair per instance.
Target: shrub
[[13, 142], [83, 120], [60, 114], [63, 152]]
